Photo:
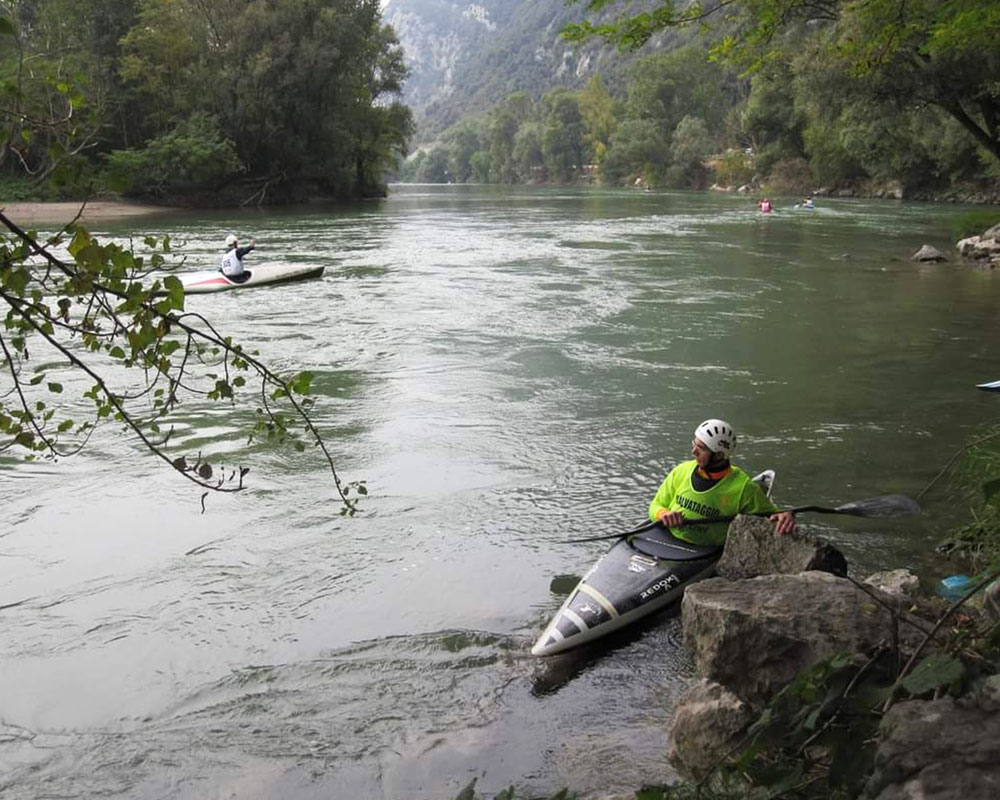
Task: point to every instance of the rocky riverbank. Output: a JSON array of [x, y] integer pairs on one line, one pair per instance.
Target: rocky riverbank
[[809, 676]]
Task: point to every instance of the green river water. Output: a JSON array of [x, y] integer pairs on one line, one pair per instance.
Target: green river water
[[504, 367]]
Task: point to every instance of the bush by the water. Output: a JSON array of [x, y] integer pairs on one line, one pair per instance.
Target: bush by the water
[[193, 155]]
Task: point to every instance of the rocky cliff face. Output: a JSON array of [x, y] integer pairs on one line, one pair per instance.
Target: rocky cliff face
[[440, 39], [466, 57]]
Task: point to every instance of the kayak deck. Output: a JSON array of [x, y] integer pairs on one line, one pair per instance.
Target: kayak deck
[[633, 579]]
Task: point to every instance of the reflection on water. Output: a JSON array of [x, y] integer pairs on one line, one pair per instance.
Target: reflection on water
[[506, 368]]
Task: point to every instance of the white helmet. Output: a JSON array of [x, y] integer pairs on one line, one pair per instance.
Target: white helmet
[[230, 240], [718, 436]]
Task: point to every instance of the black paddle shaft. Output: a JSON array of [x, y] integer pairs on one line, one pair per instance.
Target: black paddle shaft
[[890, 505]]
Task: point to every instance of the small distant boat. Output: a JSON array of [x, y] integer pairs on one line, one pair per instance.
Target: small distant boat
[[992, 386], [212, 280]]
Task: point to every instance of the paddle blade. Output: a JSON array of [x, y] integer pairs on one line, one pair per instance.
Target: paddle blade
[[890, 505]]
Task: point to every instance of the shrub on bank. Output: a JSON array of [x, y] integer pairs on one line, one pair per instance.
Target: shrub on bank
[[193, 156]]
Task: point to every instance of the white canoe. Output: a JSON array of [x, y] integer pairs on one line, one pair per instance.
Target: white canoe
[[212, 280], [992, 386]]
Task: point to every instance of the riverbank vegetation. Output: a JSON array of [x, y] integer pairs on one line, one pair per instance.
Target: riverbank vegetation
[[870, 98], [207, 102]]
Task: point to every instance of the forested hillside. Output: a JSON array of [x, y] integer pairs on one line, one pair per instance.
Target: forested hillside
[[775, 94], [199, 101]]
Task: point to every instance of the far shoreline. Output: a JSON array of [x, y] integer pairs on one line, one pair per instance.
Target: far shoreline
[[61, 213]]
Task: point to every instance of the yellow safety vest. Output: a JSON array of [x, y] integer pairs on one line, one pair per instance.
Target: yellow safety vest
[[735, 494]]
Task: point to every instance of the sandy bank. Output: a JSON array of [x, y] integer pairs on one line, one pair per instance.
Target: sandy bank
[[57, 214]]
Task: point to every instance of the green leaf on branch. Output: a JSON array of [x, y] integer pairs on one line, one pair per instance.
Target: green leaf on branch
[[301, 383], [15, 281], [175, 291], [935, 671], [222, 390]]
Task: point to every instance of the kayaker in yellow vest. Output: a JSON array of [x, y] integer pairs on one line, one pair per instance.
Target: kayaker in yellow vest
[[710, 487]]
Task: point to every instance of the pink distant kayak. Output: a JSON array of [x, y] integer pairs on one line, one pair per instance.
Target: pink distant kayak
[[213, 280]]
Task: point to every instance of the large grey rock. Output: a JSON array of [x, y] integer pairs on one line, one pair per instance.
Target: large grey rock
[[752, 549], [987, 696], [991, 601], [753, 636], [708, 722], [895, 581], [929, 253], [937, 750], [979, 247], [992, 233], [967, 247]]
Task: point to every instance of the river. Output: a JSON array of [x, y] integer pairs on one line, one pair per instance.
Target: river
[[504, 367]]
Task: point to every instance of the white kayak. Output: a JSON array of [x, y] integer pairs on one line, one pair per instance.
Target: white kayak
[[639, 575], [212, 280], [992, 386]]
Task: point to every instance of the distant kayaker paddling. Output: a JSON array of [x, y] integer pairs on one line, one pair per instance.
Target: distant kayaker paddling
[[232, 261]]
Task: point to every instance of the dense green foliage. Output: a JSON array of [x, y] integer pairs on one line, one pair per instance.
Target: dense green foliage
[[978, 479], [208, 101], [661, 131], [803, 96]]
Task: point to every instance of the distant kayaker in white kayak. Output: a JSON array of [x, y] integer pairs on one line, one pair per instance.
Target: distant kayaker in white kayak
[[710, 487], [232, 261]]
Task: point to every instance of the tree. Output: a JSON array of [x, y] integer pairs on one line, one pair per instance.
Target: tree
[[597, 112], [45, 116], [944, 53], [502, 127], [133, 355], [563, 140], [481, 164], [528, 157], [463, 142], [638, 147], [434, 168], [688, 150], [306, 91], [771, 121], [667, 87]]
